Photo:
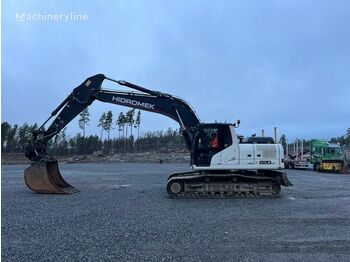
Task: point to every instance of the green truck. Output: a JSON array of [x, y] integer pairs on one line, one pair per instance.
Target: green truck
[[327, 157], [321, 156]]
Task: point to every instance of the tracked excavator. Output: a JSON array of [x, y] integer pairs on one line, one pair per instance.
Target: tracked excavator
[[223, 164]]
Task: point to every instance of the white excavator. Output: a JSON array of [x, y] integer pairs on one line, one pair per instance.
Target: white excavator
[[223, 164]]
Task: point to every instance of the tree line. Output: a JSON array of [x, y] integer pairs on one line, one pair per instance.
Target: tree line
[[14, 137]]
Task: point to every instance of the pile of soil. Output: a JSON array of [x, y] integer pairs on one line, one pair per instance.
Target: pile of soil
[[140, 157], [151, 157], [13, 159], [19, 159]]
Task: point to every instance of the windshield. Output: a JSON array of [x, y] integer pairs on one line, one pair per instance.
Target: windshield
[[333, 150]]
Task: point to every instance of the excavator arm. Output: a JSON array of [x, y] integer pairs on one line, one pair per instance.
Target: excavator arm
[[80, 98], [43, 175], [91, 90]]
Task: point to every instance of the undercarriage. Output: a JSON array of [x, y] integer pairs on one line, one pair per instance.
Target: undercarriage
[[226, 183]]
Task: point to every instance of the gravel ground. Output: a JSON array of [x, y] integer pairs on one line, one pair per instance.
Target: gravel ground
[[123, 213]]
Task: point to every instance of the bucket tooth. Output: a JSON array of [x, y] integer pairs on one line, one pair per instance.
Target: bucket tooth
[[44, 177]]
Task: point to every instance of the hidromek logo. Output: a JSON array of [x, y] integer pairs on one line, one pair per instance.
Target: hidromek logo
[[132, 102]]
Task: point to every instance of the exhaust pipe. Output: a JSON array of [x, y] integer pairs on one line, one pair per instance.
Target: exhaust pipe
[[44, 177]]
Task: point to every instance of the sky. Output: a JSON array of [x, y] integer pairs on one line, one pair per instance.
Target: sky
[[283, 64]]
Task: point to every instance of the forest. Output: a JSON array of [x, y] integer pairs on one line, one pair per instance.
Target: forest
[[14, 138]]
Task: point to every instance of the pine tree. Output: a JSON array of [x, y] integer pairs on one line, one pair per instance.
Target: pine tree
[[120, 123], [283, 140], [108, 122], [130, 119], [124, 121], [5, 128], [23, 136], [138, 123], [84, 119], [12, 139], [101, 123]]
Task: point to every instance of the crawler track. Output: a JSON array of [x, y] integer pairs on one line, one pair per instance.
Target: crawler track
[[226, 184]]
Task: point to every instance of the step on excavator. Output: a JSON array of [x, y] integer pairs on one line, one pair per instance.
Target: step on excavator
[[223, 164]]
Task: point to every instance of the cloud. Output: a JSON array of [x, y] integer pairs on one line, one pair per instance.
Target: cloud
[[268, 63]]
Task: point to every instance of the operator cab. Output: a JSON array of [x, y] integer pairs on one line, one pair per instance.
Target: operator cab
[[210, 139]]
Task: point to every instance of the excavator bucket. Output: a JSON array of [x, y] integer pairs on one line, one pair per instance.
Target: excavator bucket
[[44, 177]]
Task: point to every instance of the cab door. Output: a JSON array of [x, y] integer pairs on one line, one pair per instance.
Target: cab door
[[210, 139]]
